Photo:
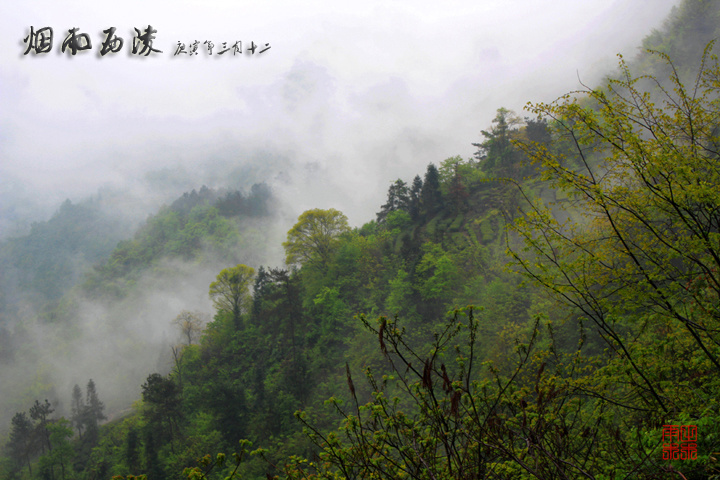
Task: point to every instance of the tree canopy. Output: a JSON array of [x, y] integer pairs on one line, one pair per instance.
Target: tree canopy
[[649, 239], [314, 236], [230, 290]]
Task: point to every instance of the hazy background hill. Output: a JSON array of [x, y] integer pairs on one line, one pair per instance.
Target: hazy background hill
[[90, 290]]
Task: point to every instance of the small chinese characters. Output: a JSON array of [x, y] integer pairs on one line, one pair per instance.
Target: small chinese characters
[[679, 442], [236, 48], [40, 41]]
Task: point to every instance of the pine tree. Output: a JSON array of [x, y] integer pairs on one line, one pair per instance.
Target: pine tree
[[457, 192], [152, 462], [415, 191], [260, 288], [132, 455], [41, 412], [397, 199], [497, 153], [21, 444], [93, 412], [77, 410], [431, 197], [163, 407]]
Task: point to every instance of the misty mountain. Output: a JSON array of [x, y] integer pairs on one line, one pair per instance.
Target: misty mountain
[[82, 279], [79, 238], [40, 267], [201, 227], [309, 331]]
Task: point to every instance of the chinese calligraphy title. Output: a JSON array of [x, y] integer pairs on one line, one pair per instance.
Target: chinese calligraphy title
[[40, 41]]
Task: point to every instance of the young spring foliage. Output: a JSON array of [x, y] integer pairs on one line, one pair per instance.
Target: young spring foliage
[[314, 236], [648, 242], [230, 292]]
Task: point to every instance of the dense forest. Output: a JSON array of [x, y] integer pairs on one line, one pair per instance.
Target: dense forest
[[545, 309]]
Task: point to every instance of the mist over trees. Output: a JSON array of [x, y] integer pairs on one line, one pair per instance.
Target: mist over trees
[[132, 293], [546, 308], [39, 438]]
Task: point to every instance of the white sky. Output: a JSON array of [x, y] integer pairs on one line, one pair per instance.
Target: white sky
[[352, 95]]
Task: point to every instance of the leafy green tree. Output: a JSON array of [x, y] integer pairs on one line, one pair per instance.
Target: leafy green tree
[[190, 326], [331, 313], [230, 290], [438, 276], [648, 241], [61, 455], [399, 299], [315, 236], [399, 219], [448, 169]]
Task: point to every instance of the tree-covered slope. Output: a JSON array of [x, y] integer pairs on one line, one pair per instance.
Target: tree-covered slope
[[122, 306], [494, 321], [200, 226], [76, 237]]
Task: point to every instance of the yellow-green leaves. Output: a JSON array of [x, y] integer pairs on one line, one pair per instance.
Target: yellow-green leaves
[[314, 236], [230, 290], [641, 237]]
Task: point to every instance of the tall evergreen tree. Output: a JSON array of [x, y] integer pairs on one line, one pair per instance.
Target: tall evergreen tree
[[21, 444], [41, 412], [93, 411], [152, 462], [164, 407], [262, 280], [457, 192], [398, 198], [132, 454], [537, 130], [415, 192], [431, 197], [77, 411], [496, 152]]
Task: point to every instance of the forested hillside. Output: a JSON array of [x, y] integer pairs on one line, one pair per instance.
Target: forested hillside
[[83, 297], [77, 236], [545, 309]]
